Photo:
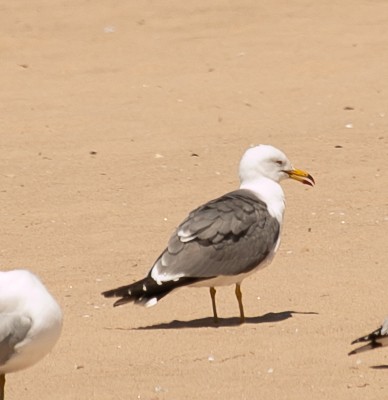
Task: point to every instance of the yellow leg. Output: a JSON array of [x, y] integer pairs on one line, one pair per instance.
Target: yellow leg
[[2, 383], [213, 296], [240, 304]]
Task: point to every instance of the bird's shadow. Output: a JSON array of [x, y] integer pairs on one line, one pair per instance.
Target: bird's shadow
[[224, 322], [383, 366]]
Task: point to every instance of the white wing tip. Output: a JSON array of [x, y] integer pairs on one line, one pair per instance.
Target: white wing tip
[[151, 302]]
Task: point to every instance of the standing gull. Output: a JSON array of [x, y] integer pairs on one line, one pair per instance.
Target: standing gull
[[225, 240], [378, 338], [30, 322]]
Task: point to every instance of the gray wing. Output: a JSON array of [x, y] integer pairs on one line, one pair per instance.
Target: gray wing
[[227, 236], [13, 330]]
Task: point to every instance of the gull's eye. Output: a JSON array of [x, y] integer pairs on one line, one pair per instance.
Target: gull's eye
[[278, 162]]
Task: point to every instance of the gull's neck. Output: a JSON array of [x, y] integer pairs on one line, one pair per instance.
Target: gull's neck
[[268, 191]]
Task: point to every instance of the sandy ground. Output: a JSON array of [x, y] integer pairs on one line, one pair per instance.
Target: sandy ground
[[103, 104]]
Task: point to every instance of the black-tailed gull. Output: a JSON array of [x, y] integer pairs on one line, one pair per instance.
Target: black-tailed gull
[[225, 240], [30, 322], [378, 338]]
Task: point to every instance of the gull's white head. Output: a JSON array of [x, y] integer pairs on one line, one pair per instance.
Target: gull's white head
[[265, 161]]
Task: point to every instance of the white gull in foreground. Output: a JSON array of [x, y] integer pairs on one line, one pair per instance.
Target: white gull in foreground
[[30, 322], [225, 240], [378, 338]]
